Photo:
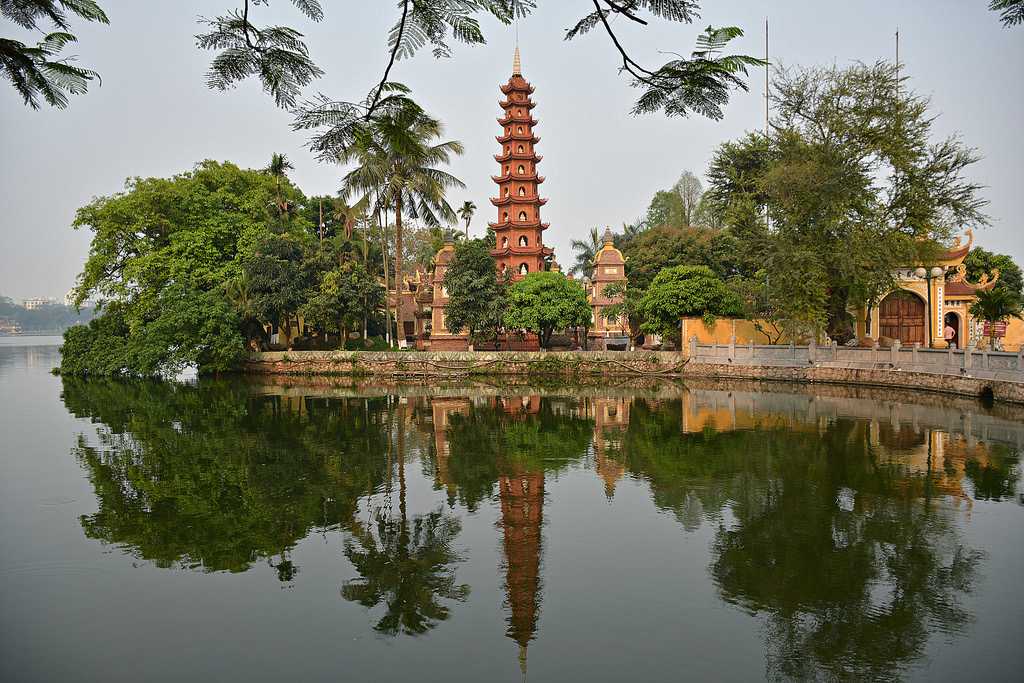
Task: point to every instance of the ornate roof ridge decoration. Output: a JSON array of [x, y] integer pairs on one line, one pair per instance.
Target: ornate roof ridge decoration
[[958, 285], [956, 253], [608, 254]]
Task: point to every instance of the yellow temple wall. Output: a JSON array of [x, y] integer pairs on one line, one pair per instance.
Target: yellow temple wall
[[723, 329]]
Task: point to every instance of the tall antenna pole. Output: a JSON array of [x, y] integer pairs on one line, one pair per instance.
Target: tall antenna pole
[[766, 76], [897, 56], [767, 216]]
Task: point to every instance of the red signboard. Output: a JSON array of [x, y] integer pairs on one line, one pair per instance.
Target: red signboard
[[1000, 329]]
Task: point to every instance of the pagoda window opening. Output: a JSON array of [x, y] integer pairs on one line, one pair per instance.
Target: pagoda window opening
[[523, 269], [507, 150], [523, 241], [522, 191], [522, 216], [505, 191], [504, 216], [504, 243], [521, 149], [506, 170], [519, 130], [521, 170]]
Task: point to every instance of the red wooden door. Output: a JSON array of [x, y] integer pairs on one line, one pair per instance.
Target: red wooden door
[[901, 316]]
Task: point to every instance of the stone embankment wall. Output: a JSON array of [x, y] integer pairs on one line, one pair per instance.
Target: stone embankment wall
[[789, 364]]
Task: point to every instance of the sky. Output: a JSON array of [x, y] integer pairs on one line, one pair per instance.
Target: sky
[[154, 116]]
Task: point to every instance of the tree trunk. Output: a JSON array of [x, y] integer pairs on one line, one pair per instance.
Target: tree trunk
[[387, 285], [399, 323]]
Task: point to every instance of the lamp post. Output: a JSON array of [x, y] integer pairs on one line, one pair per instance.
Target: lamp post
[[929, 275]]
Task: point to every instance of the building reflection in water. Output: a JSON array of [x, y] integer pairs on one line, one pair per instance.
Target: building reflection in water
[[816, 499]]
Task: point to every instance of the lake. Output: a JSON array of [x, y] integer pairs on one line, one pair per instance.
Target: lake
[[308, 529]]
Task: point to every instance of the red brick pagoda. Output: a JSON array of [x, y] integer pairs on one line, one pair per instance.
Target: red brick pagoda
[[519, 232]]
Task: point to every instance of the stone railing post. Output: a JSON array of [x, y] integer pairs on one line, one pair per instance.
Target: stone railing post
[[693, 347], [874, 352], [812, 347], [1020, 358], [835, 350], [984, 359], [950, 361], [792, 349], [732, 348], [894, 353], [967, 356], [913, 353], [750, 345]]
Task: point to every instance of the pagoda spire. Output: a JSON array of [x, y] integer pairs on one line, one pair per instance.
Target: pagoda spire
[[519, 244]]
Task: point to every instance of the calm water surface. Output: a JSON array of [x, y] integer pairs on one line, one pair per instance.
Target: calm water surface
[[239, 530]]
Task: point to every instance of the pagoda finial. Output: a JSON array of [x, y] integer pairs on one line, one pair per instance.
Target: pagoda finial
[[517, 65], [609, 238]]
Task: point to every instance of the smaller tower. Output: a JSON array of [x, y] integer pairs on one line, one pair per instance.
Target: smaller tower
[[609, 267]]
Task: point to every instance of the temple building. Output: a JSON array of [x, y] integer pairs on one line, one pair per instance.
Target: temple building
[[926, 299], [518, 243]]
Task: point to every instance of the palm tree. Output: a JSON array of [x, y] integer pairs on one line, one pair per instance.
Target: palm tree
[[996, 306], [278, 170], [586, 251], [466, 214], [396, 160]]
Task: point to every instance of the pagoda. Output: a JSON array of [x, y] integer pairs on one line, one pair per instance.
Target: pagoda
[[519, 244]]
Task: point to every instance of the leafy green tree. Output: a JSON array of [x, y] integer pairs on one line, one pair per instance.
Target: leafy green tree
[[476, 294], [854, 185], [37, 71], [665, 210], [996, 306], [396, 158], [664, 247], [348, 295], [690, 191], [189, 235], [586, 251], [191, 328], [685, 291], [544, 302], [276, 55], [466, 212], [981, 263], [1011, 12], [277, 280]]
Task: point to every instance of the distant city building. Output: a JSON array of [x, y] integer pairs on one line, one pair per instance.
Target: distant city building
[[38, 302]]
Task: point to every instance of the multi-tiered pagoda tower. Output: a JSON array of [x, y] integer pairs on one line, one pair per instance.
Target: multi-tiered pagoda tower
[[519, 244]]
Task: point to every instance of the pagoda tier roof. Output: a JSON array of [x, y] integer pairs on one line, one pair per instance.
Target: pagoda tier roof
[[523, 251], [508, 104], [502, 201], [513, 119], [508, 225], [517, 84], [525, 137], [535, 158], [530, 177]]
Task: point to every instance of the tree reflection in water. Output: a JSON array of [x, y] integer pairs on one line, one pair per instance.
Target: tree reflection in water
[[840, 533]]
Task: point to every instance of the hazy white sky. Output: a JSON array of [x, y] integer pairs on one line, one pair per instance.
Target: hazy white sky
[[153, 115]]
